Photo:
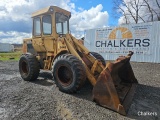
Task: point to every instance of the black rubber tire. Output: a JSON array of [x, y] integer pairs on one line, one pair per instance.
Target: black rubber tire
[[69, 73], [99, 57], [29, 67]]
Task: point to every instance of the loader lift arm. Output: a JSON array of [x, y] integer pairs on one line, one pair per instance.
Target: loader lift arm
[[112, 83]]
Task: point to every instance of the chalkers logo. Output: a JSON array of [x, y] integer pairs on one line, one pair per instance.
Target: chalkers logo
[[120, 32], [119, 37]]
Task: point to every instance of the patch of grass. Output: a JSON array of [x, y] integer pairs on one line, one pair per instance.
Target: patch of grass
[[12, 56]]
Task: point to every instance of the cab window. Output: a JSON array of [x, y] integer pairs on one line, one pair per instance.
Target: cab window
[[62, 25], [36, 27], [47, 25]]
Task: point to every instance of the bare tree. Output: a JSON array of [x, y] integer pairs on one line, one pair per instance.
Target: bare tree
[[158, 3], [154, 10], [149, 8], [135, 11], [157, 11], [119, 10]]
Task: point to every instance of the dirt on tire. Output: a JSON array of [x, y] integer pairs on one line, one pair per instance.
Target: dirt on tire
[[41, 99]]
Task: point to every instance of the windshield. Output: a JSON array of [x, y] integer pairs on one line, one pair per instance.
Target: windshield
[[62, 24]]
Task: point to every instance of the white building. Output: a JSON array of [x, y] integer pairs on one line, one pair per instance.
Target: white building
[[6, 47]]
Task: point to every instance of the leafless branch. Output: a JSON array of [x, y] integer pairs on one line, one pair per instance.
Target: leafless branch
[[137, 10]]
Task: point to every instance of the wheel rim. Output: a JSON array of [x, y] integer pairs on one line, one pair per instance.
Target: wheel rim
[[65, 75], [24, 68]]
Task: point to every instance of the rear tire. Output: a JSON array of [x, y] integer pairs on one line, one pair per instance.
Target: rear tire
[[99, 57], [69, 73], [29, 67]]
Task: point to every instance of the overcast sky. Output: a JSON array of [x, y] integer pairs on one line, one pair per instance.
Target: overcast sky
[[144, 11], [16, 22]]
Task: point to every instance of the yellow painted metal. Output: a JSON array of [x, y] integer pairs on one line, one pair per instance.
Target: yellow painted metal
[[83, 48], [38, 45], [53, 45], [25, 42], [94, 66], [51, 10], [88, 72], [48, 43], [99, 67], [103, 78]]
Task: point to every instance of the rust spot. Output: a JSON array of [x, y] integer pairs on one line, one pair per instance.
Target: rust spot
[[114, 84]]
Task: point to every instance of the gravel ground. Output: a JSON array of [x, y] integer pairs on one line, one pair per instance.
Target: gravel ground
[[41, 99]]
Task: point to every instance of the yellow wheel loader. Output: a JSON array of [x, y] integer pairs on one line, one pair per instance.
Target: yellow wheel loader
[[53, 48]]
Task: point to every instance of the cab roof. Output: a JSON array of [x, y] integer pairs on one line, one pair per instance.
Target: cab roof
[[51, 10]]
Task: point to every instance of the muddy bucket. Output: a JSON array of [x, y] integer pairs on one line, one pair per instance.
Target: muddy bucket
[[116, 85]]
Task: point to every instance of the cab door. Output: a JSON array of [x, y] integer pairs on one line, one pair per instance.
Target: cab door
[[47, 30], [37, 41]]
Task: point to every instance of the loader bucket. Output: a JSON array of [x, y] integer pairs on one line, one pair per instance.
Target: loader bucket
[[116, 85]]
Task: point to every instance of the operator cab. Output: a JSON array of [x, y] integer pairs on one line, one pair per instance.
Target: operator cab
[[51, 21]]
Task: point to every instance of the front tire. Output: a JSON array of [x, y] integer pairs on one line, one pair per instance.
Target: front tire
[[29, 67], [69, 73]]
